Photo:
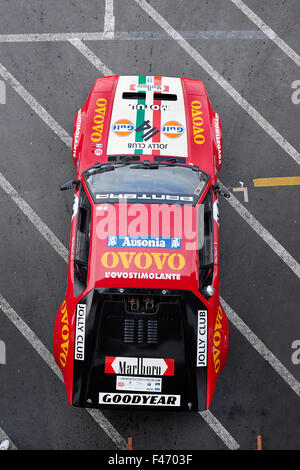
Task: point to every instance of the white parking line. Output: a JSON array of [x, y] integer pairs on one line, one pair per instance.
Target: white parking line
[[261, 348], [133, 36], [263, 233], [45, 354], [109, 19], [89, 55], [34, 218], [219, 429], [4, 437], [258, 118], [37, 108], [268, 31]]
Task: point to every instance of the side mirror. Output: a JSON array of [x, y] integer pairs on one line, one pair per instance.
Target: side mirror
[[69, 185], [221, 191]]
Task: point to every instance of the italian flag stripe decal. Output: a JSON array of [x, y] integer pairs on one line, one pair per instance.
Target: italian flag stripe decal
[[140, 116], [156, 117]]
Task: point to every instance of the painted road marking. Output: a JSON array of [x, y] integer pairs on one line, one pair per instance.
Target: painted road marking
[[134, 36], [199, 59], [34, 218], [89, 55], [268, 31], [280, 181], [45, 354], [261, 348], [109, 20], [244, 190], [37, 108], [219, 429], [4, 437], [263, 233]]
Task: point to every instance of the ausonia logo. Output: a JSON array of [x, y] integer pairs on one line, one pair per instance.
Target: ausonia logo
[[143, 242]]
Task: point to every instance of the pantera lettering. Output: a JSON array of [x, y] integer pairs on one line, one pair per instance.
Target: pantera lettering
[[145, 197]]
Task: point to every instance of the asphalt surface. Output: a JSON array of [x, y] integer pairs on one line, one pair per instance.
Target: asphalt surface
[[251, 398]]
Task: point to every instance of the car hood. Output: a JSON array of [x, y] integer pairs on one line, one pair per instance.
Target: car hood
[[145, 246]]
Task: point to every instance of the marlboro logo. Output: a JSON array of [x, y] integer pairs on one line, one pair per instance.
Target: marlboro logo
[[138, 366]]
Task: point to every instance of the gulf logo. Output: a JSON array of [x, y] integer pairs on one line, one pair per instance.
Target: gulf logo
[[123, 127], [173, 129]]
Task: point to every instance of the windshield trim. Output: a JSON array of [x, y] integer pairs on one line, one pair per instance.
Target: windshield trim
[[147, 197]]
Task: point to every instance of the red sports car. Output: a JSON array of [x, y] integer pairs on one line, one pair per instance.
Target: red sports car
[[141, 324]]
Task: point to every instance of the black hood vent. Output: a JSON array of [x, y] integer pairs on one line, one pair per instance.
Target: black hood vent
[[139, 330]]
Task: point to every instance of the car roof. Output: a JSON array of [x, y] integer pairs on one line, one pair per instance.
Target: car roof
[[150, 117]]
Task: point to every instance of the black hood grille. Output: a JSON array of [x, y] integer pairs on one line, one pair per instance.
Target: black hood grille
[[140, 330]]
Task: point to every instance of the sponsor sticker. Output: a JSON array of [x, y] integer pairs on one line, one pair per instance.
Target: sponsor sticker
[[153, 107], [217, 338], [142, 260], [138, 399], [148, 85], [218, 139], [198, 122], [76, 133], [65, 335], [146, 275], [123, 127], [173, 129], [138, 384], [98, 120], [80, 332], [202, 339], [138, 366], [143, 242]]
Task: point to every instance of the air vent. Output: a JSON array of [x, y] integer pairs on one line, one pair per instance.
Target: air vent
[[134, 95], [121, 158], [170, 159], [140, 331], [128, 331], [165, 97], [152, 332], [141, 95]]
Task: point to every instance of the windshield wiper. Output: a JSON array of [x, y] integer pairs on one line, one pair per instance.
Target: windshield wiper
[[100, 169], [154, 165], [146, 164]]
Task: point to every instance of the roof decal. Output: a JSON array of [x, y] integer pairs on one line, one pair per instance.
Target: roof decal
[[147, 125]]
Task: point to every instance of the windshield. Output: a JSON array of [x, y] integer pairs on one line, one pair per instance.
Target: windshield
[[146, 182]]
